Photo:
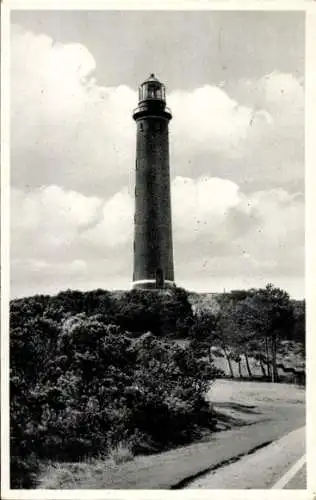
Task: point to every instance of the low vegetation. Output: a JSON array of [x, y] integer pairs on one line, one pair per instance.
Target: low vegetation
[[102, 374]]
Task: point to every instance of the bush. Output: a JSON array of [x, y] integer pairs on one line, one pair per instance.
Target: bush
[[162, 313], [83, 388], [121, 453]]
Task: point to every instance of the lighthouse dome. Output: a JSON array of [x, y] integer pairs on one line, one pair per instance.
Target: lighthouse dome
[[152, 88]]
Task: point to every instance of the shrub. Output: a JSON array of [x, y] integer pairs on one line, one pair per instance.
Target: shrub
[[121, 453], [94, 389]]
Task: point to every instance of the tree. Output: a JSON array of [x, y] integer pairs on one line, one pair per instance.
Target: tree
[[268, 312], [247, 323], [299, 328], [233, 326], [210, 329]]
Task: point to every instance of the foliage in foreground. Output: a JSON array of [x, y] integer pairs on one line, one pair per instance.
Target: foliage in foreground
[[80, 388], [86, 377]]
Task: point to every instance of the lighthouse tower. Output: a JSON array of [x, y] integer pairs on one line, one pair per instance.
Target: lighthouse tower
[[153, 251]]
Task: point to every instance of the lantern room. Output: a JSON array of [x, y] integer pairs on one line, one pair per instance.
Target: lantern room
[[152, 88]]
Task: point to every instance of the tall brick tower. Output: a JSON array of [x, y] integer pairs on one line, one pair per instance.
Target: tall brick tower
[[153, 251]]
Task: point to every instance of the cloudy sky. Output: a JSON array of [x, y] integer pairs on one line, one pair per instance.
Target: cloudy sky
[[235, 86]]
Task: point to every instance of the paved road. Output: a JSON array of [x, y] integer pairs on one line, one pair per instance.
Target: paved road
[[280, 465], [299, 480]]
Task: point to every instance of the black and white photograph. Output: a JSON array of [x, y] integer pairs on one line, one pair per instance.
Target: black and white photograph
[[156, 290]]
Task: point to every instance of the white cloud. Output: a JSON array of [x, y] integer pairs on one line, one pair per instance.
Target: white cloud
[[229, 232], [70, 131], [218, 231], [48, 218], [208, 119], [284, 96], [279, 238], [65, 129], [201, 205], [116, 226]]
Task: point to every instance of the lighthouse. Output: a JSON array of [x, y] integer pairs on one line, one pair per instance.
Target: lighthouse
[[153, 250]]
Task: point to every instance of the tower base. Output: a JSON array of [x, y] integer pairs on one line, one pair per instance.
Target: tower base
[[151, 284]]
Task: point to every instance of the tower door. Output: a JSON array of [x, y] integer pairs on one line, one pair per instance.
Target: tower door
[[159, 278]]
